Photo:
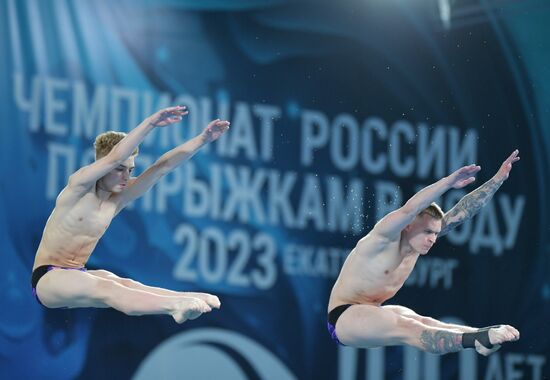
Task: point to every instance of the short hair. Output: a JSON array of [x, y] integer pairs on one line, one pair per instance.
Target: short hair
[[106, 141], [434, 211]]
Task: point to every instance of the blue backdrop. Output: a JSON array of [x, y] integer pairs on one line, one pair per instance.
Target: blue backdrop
[[339, 111]]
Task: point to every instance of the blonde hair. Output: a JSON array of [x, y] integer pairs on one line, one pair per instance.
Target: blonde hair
[[434, 211], [106, 141]]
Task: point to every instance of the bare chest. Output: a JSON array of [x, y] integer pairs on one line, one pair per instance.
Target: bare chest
[[394, 277], [389, 271], [89, 217], [374, 278]]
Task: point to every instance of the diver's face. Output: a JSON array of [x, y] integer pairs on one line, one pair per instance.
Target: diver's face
[[422, 233], [117, 179]]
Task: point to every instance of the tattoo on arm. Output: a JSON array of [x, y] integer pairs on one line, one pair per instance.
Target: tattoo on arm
[[441, 342], [469, 205]]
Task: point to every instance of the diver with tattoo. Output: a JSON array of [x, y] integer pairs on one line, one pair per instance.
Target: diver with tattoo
[[382, 260]]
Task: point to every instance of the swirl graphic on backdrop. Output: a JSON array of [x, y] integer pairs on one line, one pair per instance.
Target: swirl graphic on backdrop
[[229, 356]]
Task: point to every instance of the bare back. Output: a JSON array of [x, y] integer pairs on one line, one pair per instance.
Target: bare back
[[373, 272], [74, 227]]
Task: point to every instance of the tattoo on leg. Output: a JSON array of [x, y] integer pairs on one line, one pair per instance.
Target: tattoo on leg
[[441, 342]]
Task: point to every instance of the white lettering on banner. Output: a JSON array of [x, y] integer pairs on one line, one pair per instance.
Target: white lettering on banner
[[310, 261], [165, 137], [55, 104], [193, 120], [224, 113], [67, 100], [124, 106], [310, 206], [241, 259], [87, 157], [242, 133], [32, 105], [234, 258], [280, 212], [267, 115], [242, 194], [169, 185], [89, 120], [212, 255], [236, 275], [341, 215], [371, 164], [388, 198], [486, 232], [238, 194], [314, 135], [61, 164], [438, 150], [197, 197], [432, 148], [402, 130], [420, 365], [244, 201], [433, 272], [512, 217], [514, 366], [345, 153], [462, 150]]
